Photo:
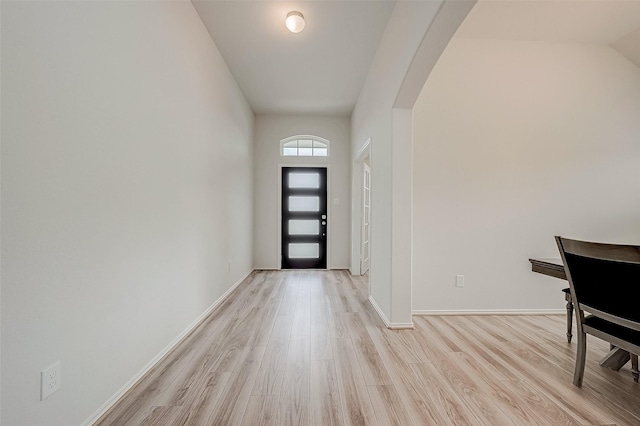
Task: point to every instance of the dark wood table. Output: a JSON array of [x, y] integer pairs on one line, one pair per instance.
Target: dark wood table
[[553, 267], [549, 266]]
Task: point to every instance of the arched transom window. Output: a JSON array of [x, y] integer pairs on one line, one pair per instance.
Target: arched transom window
[[304, 146]]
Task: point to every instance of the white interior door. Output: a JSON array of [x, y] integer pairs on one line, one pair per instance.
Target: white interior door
[[366, 218]]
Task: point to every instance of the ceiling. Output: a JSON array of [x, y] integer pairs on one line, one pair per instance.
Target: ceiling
[[601, 22], [629, 46], [319, 71]]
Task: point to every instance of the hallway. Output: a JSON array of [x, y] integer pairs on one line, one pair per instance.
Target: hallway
[[305, 347]]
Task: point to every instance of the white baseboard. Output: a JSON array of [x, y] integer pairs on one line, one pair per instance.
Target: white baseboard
[[492, 312], [332, 268], [383, 317], [124, 389]]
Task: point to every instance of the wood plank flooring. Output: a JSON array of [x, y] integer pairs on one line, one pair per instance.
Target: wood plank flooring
[[306, 348]]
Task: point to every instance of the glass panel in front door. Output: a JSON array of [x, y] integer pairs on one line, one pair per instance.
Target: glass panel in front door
[[304, 204], [304, 227], [304, 251], [304, 180]]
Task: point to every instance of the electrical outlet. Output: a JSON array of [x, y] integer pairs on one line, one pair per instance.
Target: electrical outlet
[[50, 380], [459, 280]]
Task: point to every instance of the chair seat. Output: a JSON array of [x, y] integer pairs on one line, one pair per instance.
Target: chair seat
[[619, 331]]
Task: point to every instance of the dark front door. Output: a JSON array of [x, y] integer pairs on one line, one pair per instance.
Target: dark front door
[[304, 217]]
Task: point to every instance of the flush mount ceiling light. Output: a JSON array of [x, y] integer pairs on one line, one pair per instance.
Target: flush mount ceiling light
[[295, 22]]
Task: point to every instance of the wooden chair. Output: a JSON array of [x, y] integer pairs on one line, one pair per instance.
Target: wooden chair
[[603, 279]]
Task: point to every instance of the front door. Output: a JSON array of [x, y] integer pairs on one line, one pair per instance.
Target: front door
[[304, 217]]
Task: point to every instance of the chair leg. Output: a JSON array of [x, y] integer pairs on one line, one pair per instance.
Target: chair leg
[[569, 317], [634, 367], [580, 359]]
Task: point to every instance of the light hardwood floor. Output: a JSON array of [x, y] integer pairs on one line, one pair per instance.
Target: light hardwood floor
[[305, 347]]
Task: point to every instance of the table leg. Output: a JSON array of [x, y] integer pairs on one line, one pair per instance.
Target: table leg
[[569, 316], [615, 359]]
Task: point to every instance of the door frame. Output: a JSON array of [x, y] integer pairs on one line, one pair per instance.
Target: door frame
[[329, 204], [356, 207]]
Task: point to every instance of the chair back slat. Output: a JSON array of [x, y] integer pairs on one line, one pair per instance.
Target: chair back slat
[[614, 252]]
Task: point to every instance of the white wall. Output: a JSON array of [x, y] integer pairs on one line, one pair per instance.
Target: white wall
[[126, 189], [415, 35], [516, 142], [269, 131]]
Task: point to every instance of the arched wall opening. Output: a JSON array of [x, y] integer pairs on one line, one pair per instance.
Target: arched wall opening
[[407, 53]]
